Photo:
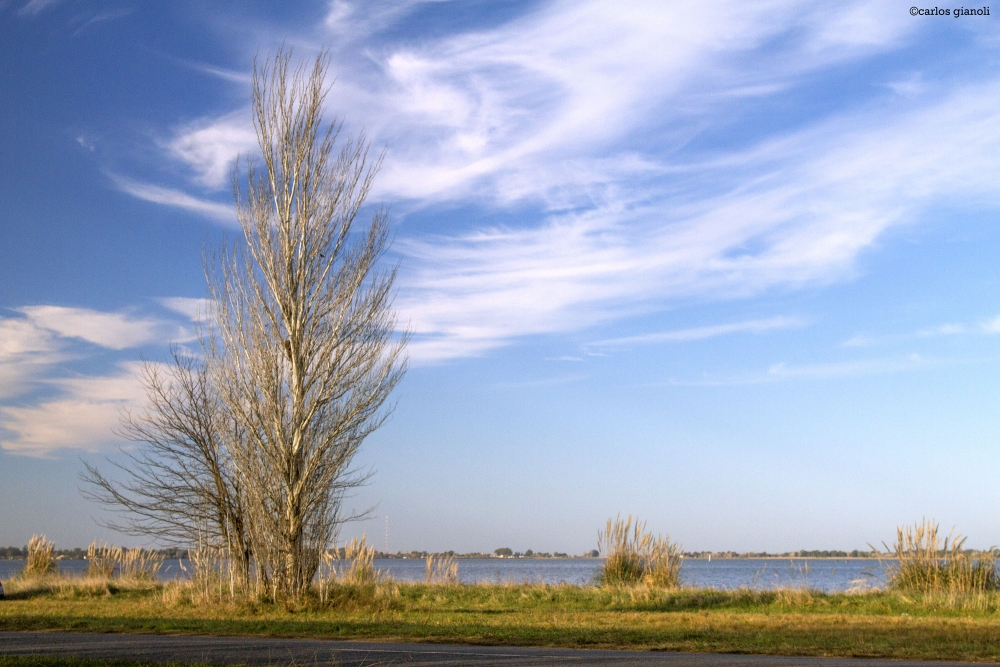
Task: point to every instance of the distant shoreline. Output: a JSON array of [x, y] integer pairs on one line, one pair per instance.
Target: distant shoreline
[[181, 554], [380, 556]]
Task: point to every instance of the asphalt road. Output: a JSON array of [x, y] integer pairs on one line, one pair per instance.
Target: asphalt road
[[310, 652]]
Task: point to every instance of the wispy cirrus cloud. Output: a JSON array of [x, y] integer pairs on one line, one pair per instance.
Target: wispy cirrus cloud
[[702, 333], [831, 370], [103, 17], [548, 105], [990, 326], [34, 7], [211, 147], [838, 369], [497, 113], [195, 309], [176, 198], [798, 211], [591, 119], [233, 76]]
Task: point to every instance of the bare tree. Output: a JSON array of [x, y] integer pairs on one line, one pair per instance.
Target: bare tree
[[306, 353], [300, 356], [181, 487]]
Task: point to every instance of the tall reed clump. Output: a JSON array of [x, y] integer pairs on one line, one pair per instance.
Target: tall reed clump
[[635, 556], [358, 565], [441, 569], [928, 563], [348, 578], [41, 561], [213, 576], [139, 564], [102, 559]]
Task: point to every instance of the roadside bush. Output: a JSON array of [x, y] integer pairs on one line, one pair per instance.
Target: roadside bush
[[635, 556]]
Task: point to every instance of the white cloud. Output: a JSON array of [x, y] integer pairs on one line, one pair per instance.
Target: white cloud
[[73, 412], [351, 22], [210, 147], [36, 6], [858, 341], [794, 211], [196, 310], [991, 326], [116, 331], [496, 113], [103, 17], [850, 368], [81, 417], [33, 345], [169, 197], [948, 329], [584, 111], [232, 76], [701, 333], [526, 110], [909, 87], [784, 372], [86, 143], [942, 330], [26, 351]]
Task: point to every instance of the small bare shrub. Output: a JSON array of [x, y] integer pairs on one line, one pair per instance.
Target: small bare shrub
[[41, 562], [634, 556], [442, 569]]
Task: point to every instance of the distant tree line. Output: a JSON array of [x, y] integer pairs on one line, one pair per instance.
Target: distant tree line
[[815, 553], [503, 552], [76, 553]]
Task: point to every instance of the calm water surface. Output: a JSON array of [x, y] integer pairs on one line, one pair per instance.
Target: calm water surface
[[825, 575]]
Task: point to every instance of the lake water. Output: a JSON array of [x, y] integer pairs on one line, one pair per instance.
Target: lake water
[[820, 574]]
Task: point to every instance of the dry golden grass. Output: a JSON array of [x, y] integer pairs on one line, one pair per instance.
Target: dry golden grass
[[59, 587]]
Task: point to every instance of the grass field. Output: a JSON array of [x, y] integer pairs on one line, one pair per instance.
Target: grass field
[[784, 622]]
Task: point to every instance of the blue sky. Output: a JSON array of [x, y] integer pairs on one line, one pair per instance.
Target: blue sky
[[728, 266]]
